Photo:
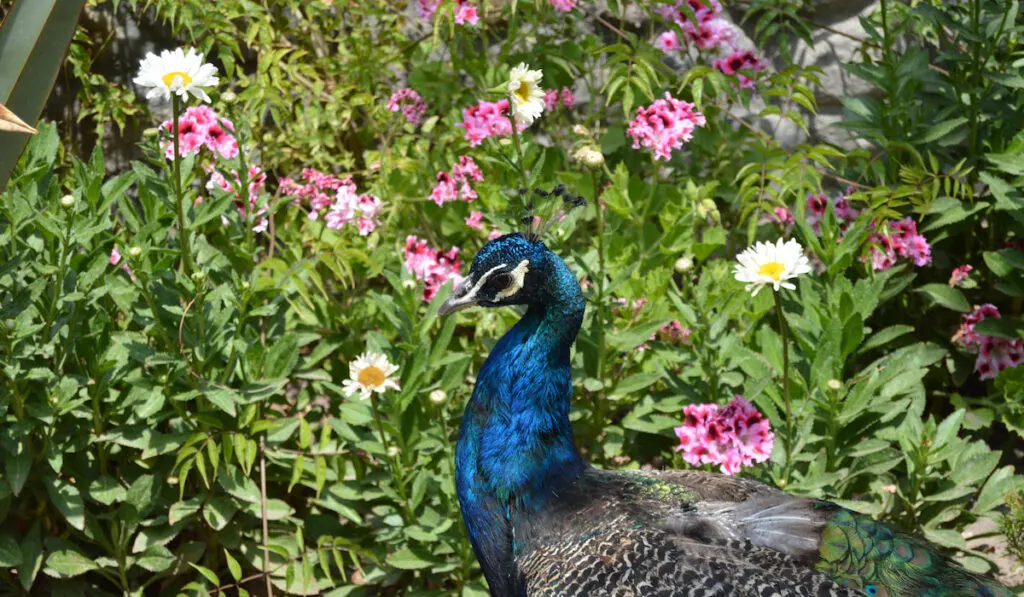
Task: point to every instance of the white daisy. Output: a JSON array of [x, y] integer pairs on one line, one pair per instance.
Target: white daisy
[[176, 72], [767, 263], [525, 93], [371, 372]]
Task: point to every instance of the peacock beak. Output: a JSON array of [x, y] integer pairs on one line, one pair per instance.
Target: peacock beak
[[463, 297]]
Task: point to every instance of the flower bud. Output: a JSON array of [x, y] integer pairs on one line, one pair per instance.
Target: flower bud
[[67, 201], [393, 451], [198, 277], [438, 396], [684, 264], [581, 130], [135, 252], [228, 97], [834, 384], [590, 157]]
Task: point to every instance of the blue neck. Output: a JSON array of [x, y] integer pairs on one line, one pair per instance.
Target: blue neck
[[515, 449]]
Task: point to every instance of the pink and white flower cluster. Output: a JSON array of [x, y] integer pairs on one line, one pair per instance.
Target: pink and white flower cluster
[[710, 32], [454, 186], [338, 196], [115, 258], [432, 266], [564, 5], [319, 190], [488, 119], [465, 11], [553, 95], [201, 127], [994, 354], [732, 437], [664, 125], [410, 103], [959, 275], [257, 180], [902, 241]]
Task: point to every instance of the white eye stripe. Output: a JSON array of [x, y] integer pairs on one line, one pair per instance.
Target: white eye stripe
[[480, 284], [518, 279]]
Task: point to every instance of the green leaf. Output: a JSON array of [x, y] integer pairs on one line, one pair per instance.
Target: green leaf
[[951, 298], [282, 357], [31, 557], [66, 563], [155, 558], [68, 500], [219, 511], [233, 566], [106, 490], [33, 41], [224, 399], [940, 130], [17, 467], [10, 553], [206, 572], [411, 559]]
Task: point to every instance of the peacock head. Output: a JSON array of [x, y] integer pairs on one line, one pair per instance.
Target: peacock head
[[509, 270]]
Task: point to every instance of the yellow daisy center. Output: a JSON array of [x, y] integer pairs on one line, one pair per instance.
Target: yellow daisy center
[[169, 78], [523, 92], [772, 269], [371, 377]]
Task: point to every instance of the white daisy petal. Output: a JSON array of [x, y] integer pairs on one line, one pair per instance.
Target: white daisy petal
[[174, 72], [370, 372], [767, 264], [525, 93]]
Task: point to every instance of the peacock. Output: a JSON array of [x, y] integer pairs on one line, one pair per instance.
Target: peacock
[[543, 522]]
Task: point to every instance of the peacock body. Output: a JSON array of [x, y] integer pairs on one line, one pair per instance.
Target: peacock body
[[544, 523]]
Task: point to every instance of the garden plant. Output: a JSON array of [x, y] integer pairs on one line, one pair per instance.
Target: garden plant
[[224, 250]]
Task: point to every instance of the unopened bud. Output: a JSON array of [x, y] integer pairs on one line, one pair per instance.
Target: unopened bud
[[198, 277], [438, 396], [581, 130], [228, 97], [684, 264], [67, 201], [135, 252], [589, 157], [835, 384]]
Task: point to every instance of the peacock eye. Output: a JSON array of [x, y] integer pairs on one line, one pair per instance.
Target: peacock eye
[[499, 282]]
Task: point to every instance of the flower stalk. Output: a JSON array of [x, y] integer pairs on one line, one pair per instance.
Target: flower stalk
[[788, 438]]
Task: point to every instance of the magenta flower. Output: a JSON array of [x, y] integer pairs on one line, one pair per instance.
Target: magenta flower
[[454, 186], [465, 14], [475, 220], [432, 266], [668, 42], [553, 96], [959, 275], [737, 61], [201, 127], [782, 215], [487, 119], [664, 125], [673, 333], [732, 437], [564, 5], [410, 103], [841, 207], [115, 258], [568, 99], [994, 354]]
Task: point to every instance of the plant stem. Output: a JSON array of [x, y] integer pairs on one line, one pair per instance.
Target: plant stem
[[519, 150], [396, 471], [186, 254], [602, 349], [788, 444], [263, 508]]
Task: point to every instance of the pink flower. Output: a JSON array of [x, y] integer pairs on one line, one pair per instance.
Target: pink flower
[[664, 125], [732, 437], [432, 266], [475, 220], [201, 127], [568, 99], [843, 210], [782, 215], [668, 42], [466, 14], [959, 275], [713, 33], [487, 119], [903, 241], [495, 233], [115, 256], [361, 211], [994, 354], [564, 5], [550, 99], [456, 185], [737, 61], [674, 333], [410, 103], [320, 190]]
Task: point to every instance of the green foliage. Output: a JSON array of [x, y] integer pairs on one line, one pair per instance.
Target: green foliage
[[172, 428]]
